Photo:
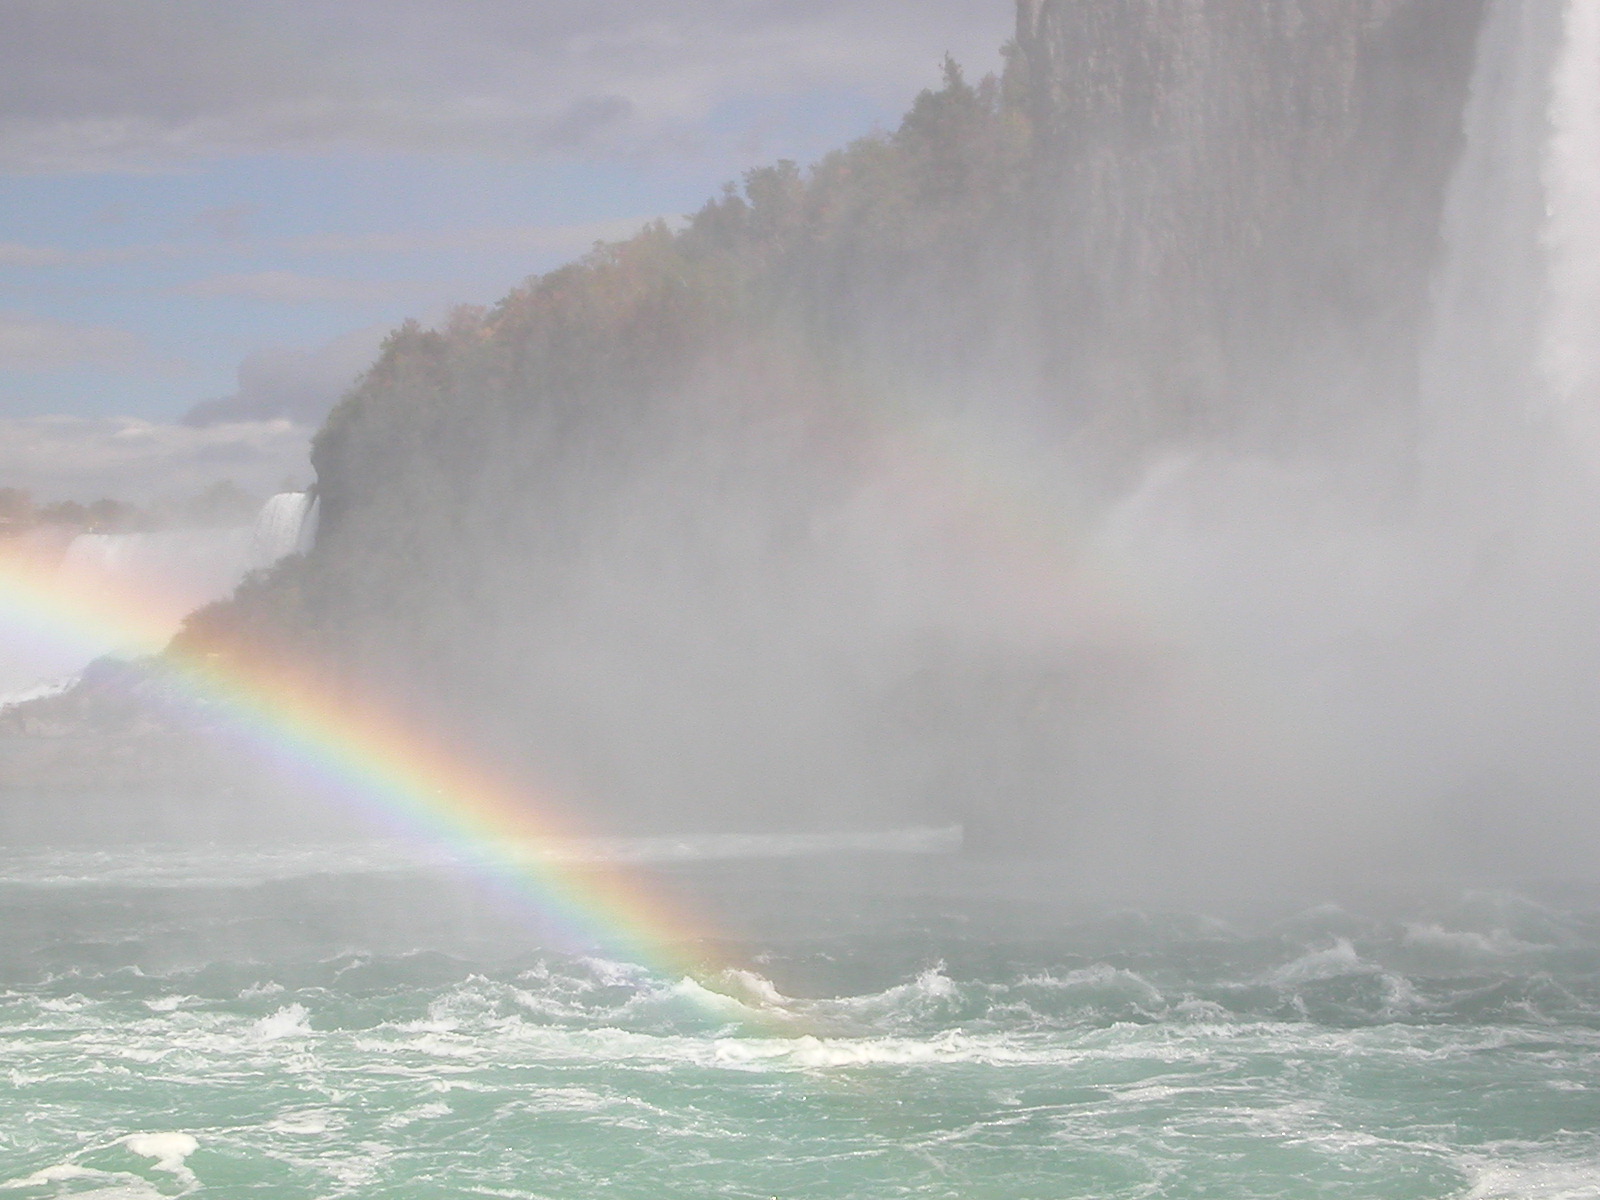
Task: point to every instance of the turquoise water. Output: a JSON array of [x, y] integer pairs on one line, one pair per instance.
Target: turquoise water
[[334, 1022]]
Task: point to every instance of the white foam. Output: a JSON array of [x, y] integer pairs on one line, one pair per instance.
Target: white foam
[[59, 1173], [423, 1112], [38, 691], [305, 1123], [1101, 978], [1535, 1181], [809, 1052], [168, 1149], [1334, 962], [707, 1000], [755, 988], [289, 1021]]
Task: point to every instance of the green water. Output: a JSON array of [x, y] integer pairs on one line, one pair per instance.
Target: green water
[[315, 1025]]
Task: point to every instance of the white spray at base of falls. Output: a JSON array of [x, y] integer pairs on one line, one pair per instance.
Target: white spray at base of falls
[[164, 574]]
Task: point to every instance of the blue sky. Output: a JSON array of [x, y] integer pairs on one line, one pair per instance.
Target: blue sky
[[204, 199]]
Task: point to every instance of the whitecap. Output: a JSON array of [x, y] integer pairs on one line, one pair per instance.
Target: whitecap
[[168, 1149], [1332, 962], [423, 1112], [289, 1021], [1464, 943]]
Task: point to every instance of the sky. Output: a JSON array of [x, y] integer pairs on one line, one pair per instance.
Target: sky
[[211, 211]]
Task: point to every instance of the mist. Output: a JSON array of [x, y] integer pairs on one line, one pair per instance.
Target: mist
[[1194, 562], [1049, 650], [1193, 492]]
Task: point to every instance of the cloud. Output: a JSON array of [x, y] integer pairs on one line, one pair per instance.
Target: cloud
[[292, 382], [291, 287], [512, 239], [550, 241], [84, 458], [30, 343], [226, 223], [90, 85], [16, 254], [20, 254]]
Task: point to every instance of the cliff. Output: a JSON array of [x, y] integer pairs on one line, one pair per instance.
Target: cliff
[[699, 529]]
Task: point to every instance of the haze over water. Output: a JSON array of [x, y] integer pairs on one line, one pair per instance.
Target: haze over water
[[1324, 922]]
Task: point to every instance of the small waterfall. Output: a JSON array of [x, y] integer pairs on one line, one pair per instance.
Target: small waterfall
[[286, 525], [175, 571], [164, 574]]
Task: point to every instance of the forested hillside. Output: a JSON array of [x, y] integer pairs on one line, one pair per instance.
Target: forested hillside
[[770, 517]]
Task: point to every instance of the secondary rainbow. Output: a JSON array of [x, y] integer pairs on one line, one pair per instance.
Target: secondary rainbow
[[373, 760]]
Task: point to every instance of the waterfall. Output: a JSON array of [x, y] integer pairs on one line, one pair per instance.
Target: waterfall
[[178, 570], [286, 525], [1512, 376], [1478, 373], [1506, 666], [1570, 358], [1434, 674], [166, 574]]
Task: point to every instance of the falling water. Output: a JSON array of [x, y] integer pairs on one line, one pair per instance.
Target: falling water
[[286, 525], [1570, 360], [1510, 380], [167, 573]]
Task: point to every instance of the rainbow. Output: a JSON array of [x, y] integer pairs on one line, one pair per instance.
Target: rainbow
[[374, 761]]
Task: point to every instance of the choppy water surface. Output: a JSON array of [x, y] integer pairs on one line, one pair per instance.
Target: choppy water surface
[[334, 1028]]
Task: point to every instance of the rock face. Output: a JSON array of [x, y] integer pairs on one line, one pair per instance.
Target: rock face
[[772, 521]]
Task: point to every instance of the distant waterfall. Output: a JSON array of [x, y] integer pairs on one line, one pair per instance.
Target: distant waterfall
[[165, 575], [286, 525], [178, 570], [172, 571]]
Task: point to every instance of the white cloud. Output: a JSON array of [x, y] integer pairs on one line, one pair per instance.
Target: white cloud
[[83, 458], [31, 343], [20, 254], [125, 85], [560, 240], [294, 382], [16, 254], [291, 287], [548, 241]]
